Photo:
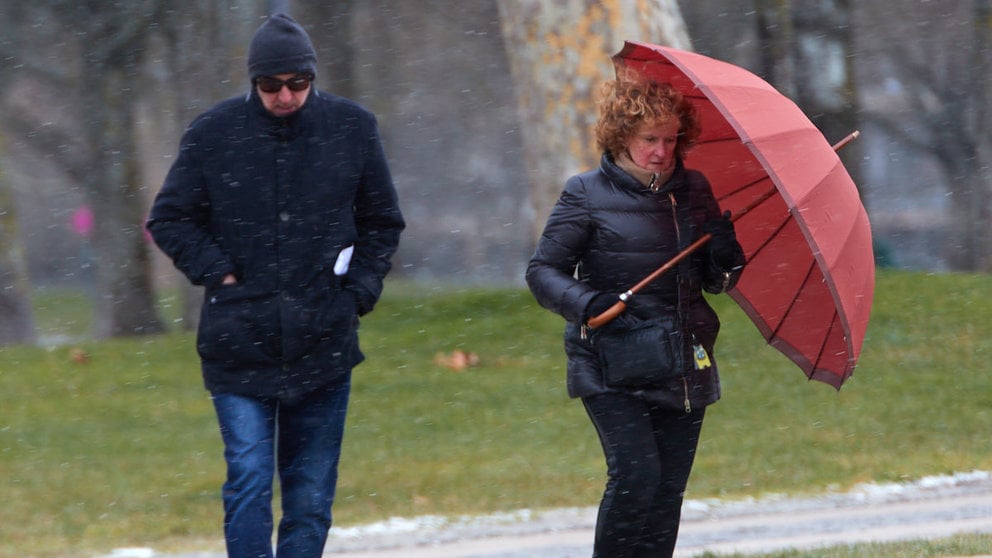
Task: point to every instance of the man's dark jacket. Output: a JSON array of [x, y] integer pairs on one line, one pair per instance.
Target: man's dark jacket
[[274, 201], [605, 234]]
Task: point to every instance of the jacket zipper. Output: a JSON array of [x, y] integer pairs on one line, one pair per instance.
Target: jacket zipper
[[685, 385], [678, 239]]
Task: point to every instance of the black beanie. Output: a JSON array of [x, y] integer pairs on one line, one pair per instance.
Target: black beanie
[[281, 46]]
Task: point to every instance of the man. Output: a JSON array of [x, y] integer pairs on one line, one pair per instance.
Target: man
[[280, 203]]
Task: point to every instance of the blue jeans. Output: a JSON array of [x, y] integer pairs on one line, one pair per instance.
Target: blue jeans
[[649, 452], [303, 437]]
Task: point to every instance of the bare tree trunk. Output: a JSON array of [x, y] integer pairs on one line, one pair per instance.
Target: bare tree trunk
[[330, 26], [971, 198], [776, 34], [16, 318], [959, 133], [125, 303], [943, 74], [982, 190], [101, 48], [559, 55]]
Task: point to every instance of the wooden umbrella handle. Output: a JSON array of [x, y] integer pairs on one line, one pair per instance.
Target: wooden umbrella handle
[[613, 311]]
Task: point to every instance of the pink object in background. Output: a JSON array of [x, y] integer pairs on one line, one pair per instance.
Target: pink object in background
[[82, 221]]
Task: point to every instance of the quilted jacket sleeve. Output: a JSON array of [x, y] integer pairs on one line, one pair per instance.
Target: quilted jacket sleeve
[[551, 270], [379, 223], [179, 220]]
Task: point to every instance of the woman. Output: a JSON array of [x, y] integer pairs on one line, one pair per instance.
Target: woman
[[611, 227]]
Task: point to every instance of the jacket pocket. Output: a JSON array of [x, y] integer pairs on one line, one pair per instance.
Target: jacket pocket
[[322, 318], [239, 327]]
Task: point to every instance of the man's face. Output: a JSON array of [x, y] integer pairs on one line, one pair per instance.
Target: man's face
[[283, 94]]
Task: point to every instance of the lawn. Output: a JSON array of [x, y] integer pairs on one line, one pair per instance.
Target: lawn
[[115, 444]]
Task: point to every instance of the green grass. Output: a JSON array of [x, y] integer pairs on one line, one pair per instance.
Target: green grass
[[123, 449], [962, 545]]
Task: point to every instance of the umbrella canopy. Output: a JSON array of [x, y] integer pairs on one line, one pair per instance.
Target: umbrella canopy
[[810, 275]]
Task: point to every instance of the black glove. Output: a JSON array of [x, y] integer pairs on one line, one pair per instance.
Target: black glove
[[599, 304], [723, 247]]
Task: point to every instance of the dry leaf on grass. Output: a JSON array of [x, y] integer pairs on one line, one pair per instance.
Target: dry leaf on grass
[[456, 360], [78, 355]]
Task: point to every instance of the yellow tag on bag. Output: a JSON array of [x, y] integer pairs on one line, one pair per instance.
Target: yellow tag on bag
[[701, 357]]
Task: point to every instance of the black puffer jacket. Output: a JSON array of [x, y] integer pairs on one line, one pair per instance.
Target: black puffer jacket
[[614, 231], [274, 201]]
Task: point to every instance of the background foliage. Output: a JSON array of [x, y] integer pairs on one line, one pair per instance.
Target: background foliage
[[484, 112]]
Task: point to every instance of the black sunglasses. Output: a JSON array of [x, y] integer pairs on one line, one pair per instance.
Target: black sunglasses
[[274, 85]]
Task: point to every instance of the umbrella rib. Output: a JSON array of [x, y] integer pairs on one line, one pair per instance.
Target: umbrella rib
[[768, 240], [734, 139], [833, 323], [792, 304], [823, 345], [744, 187]]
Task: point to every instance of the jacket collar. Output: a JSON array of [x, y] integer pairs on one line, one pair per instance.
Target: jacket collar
[[283, 127], [623, 179]]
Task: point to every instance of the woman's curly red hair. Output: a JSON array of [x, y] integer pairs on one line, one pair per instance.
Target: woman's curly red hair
[[627, 105]]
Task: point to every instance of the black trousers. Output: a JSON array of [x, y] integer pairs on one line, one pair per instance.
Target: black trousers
[[649, 453]]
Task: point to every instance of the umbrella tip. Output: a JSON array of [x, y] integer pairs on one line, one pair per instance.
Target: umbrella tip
[[850, 137]]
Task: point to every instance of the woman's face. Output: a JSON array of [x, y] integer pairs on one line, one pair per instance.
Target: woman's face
[[652, 147]]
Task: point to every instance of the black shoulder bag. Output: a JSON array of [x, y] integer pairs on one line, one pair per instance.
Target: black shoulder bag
[[641, 353]]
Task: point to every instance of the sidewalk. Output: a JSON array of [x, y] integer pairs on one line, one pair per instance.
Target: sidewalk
[[935, 507]]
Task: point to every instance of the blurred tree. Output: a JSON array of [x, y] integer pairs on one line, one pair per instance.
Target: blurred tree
[[560, 55], [942, 78], [330, 25], [16, 317], [92, 53], [111, 47]]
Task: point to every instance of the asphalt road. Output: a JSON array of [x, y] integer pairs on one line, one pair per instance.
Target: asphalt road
[[932, 508]]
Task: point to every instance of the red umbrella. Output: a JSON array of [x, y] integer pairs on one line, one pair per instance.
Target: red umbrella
[[810, 273]]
